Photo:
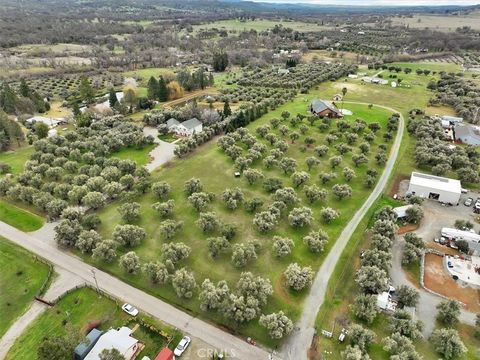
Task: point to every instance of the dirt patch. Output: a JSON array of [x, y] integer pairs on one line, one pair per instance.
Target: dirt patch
[[437, 279], [281, 291], [407, 228], [443, 249], [395, 189]]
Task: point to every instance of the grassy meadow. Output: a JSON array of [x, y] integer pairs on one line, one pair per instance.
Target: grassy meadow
[[22, 219], [22, 277]]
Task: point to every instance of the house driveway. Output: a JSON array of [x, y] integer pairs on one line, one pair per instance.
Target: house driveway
[[162, 153]]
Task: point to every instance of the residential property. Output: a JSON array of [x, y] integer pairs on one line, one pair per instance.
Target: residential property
[[51, 122], [337, 97], [435, 188], [472, 238], [324, 108], [119, 339], [353, 76], [165, 354], [467, 134], [186, 128], [374, 80]]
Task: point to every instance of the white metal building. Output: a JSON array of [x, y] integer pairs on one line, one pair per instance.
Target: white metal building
[[435, 188]]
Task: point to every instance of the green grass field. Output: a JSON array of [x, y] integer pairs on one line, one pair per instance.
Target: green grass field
[[22, 277], [79, 309], [140, 156], [218, 178], [16, 158], [145, 74], [19, 218]]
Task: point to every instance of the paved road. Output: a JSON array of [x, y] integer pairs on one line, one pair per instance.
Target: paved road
[[426, 309], [219, 339], [62, 283], [299, 342]]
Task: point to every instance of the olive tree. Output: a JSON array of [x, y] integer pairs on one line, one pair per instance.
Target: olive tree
[[300, 217], [183, 283], [164, 209], [130, 262], [361, 337], [208, 221], [328, 214], [277, 324], [253, 175], [316, 240], [313, 193], [192, 185], [297, 277], [407, 296], [169, 228], [161, 189], [244, 253], [342, 191], [448, 343], [217, 245], [175, 252], [365, 307], [212, 297], [299, 178], [105, 251], [448, 312], [129, 235], [87, 241], [282, 246], [371, 279], [129, 212], [157, 272]]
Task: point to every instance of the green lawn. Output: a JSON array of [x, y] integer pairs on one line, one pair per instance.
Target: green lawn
[[16, 158], [145, 74], [22, 277], [219, 177], [140, 156], [19, 218], [81, 309]]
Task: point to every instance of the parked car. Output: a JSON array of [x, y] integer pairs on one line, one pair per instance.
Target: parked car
[[468, 202], [182, 346], [130, 309]]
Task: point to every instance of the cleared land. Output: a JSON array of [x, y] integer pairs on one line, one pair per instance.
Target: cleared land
[[16, 158], [82, 309], [22, 277], [219, 177], [140, 156], [19, 218], [440, 22]]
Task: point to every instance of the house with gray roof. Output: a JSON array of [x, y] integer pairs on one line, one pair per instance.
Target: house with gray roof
[[186, 128], [324, 108], [82, 350]]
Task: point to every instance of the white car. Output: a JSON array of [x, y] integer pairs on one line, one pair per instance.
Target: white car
[[182, 346], [130, 310]]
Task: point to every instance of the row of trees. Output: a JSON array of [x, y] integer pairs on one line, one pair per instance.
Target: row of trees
[[23, 101]]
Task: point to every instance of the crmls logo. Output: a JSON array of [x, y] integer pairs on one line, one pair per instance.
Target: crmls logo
[[209, 353]]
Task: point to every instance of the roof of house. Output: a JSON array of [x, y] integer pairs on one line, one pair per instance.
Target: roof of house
[[468, 134], [192, 123], [113, 339], [165, 354], [83, 348], [452, 118], [322, 105], [172, 122], [436, 182]]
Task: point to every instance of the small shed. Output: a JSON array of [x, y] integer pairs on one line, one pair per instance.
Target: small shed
[[401, 211], [435, 188]]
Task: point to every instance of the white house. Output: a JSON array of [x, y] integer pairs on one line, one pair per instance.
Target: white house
[[119, 339], [435, 188], [472, 238], [353, 76], [186, 128], [51, 122]]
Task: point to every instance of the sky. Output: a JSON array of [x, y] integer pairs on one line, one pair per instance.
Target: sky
[[379, 2]]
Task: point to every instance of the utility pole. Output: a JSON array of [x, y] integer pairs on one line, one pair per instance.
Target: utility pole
[[95, 278]]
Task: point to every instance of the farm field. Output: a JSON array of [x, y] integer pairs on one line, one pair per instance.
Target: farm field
[[22, 278], [220, 177], [259, 25], [440, 22], [20, 218], [81, 310], [140, 156]]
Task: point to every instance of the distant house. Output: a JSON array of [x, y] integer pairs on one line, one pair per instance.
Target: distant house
[[467, 134], [283, 71], [165, 354], [353, 76], [119, 339], [186, 128], [324, 108], [51, 122], [82, 350], [337, 97], [374, 80]]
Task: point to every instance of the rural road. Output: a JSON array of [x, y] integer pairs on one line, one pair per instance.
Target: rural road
[[299, 342], [426, 309], [80, 271]]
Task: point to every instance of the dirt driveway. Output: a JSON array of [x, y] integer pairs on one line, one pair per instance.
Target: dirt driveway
[[438, 279]]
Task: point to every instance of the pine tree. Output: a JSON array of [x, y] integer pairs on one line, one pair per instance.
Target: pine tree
[[112, 99], [162, 89], [75, 109], [152, 88], [24, 89], [86, 90], [8, 99], [226, 109]]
